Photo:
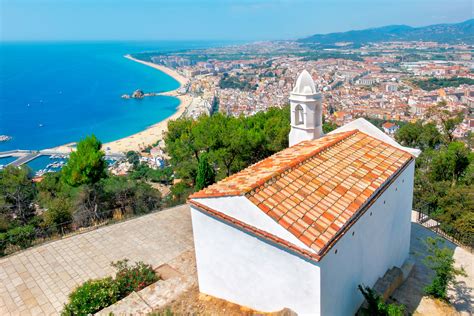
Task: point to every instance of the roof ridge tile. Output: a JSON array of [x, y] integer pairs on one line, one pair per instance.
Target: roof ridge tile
[[286, 165], [324, 190]]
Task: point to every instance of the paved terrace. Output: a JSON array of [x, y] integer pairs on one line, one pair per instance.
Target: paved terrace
[[37, 281]]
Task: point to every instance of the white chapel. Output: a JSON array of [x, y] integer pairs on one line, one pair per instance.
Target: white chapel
[[303, 228]]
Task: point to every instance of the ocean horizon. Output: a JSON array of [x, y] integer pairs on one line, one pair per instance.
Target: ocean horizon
[[54, 93]]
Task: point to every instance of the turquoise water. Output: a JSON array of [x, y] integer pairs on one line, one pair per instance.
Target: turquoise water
[[47, 162], [56, 93], [41, 162], [6, 160]]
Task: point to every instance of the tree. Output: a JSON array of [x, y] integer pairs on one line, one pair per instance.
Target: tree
[[408, 135], [52, 188], [436, 83], [58, 217], [419, 135], [146, 199], [133, 158], [455, 212], [17, 193], [450, 163], [205, 174], [232, 143], [448, 121], [464, 225], [143, 172], [430, 137], [86, 165], [329, 127], [441, 261], [179, 193], [86, 204], [470, 140], [182, 148], [129, 196]]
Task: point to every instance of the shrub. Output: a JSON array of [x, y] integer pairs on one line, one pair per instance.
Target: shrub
[[5, 223], [3, 243], [94, 295], [441, 261], [376, 305], [133, 278], [91, 297], [58, 215], [21, 236]]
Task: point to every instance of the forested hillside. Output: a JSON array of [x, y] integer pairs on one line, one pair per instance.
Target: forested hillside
[[444, 176], [444, 33]]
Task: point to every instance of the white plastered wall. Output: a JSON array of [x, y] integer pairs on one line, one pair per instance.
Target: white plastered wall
[[239, 207], [381, 240], [239, 267]]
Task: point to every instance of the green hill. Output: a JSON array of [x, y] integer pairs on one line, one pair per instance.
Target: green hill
[[443, 33]]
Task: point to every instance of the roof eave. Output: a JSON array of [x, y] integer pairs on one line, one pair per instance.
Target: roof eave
[[257, 232], [316, 257]]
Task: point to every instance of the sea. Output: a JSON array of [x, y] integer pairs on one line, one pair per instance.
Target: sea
[[54, 93]]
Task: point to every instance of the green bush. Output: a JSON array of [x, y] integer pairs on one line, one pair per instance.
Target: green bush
[[376, 306], [91, 297], [94, 295], [3, 243], [440, 260], [133, 278], [21, 236], [58, 215]]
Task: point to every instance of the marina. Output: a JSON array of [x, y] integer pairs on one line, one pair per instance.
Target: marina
[[6, 160], [44, 161]]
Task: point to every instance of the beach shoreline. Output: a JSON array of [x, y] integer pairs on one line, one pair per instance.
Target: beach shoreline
[[154, 133]]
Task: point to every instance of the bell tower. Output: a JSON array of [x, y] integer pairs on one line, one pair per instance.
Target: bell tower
[[306, 110]]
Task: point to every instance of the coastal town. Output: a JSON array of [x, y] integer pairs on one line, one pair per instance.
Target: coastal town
[[376, 81], [325, 174], [387, 82]]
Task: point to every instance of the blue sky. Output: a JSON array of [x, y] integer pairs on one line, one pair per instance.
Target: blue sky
[[213, 20]]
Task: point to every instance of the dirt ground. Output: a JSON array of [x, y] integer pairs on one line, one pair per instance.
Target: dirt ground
[[194, 303]]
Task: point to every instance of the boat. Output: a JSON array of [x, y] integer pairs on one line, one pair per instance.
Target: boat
[[5, 138]]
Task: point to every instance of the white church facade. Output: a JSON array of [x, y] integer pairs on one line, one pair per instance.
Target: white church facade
[[303, 228]]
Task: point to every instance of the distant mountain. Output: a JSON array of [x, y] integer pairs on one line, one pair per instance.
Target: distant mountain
[[443, 33]]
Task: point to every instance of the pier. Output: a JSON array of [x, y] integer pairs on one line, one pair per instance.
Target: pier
[[25, 156]]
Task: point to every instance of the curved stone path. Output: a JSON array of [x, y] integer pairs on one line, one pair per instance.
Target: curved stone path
[[37, 281]]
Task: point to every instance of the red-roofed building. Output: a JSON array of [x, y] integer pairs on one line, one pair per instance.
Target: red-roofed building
[[302, 228], [390, 128]]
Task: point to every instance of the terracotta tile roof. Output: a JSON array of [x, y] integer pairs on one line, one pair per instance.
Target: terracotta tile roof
[[316, 189], [388, 125], [259, 173]]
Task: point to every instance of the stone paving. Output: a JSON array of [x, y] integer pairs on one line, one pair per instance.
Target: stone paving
[[411, 293], [37, 281]]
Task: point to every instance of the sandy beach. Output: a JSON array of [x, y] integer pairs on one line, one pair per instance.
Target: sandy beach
[[155, 132]]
